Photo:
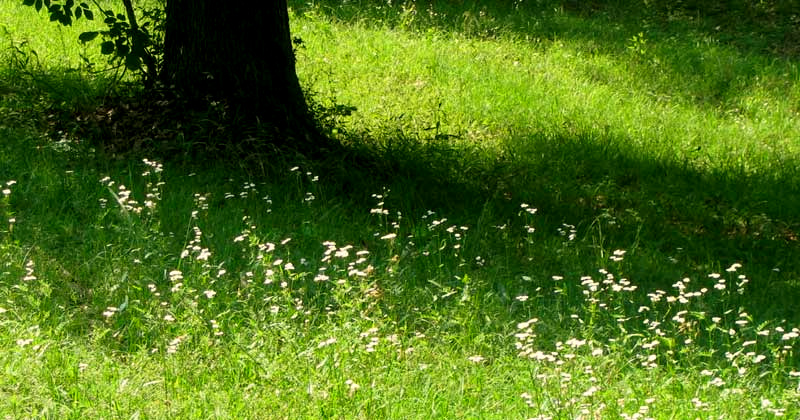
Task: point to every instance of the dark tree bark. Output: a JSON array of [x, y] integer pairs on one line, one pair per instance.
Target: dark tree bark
[[239, 52]]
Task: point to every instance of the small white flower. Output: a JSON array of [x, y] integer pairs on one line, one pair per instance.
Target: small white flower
[[204, 254], [733, 267], [526, 324], [172, 347], [327, 342], [575, 343], [352, 386], [24, 342], [476, 358], [591, 391]]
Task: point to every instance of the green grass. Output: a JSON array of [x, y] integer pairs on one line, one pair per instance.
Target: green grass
[[422, 285]]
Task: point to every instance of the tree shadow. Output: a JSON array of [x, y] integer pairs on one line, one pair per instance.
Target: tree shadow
[[665, 209], [672, 213], [579, 176]]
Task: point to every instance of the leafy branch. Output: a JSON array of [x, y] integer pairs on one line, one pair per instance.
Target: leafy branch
[[134, 45]]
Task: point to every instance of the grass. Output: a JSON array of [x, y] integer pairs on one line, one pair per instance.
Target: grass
[[562, 221]]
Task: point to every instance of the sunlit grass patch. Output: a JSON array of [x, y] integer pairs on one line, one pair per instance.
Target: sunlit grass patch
[[325, 330], [691, 137]]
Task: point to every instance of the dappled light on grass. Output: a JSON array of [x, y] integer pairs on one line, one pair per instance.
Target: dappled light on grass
[[358, 320]]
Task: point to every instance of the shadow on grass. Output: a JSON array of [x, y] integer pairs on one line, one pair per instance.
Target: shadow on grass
[[616, 200], [580, 177], [682, 220]]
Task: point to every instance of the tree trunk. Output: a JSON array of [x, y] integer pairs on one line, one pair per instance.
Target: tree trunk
[[240, 53]]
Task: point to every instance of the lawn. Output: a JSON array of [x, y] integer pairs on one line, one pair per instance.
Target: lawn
[[542, 210]]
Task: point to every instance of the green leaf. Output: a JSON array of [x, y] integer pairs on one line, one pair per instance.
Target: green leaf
[[88, 36], [28, 2], [78, 13], [88, 13], [38, 5], [133, 62], [123, 305], [122, 49], [69, 4], [107, 48]]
